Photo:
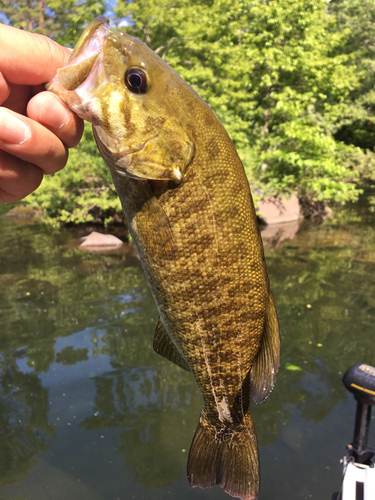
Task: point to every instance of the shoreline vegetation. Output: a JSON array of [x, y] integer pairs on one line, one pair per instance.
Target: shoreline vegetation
[[291, 80]]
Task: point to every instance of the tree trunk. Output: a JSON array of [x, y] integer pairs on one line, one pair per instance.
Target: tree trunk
[[41, 14]]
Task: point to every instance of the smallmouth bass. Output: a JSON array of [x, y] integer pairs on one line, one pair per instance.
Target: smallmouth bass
[[189, 209]]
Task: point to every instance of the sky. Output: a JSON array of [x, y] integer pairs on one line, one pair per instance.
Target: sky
[[108, 13]]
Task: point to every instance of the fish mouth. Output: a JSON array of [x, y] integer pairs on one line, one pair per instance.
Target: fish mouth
[[92, 85], [91, 40], [82, 58], [77, 82]]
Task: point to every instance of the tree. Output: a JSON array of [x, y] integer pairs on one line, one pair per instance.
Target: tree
[[357, 18], [283, 76], [62, 20], [272, 72], [83, 191]]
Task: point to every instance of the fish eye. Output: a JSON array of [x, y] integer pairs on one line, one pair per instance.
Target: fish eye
[[136, 80]]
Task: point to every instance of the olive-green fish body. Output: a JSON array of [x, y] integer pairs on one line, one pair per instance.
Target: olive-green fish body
[[189, 209]]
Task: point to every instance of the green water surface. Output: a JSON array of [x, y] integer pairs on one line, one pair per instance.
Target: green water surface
[[89, 411]]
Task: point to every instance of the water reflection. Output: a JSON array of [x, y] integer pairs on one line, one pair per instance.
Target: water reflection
[[82, 391], [24, 424], [153, 409]]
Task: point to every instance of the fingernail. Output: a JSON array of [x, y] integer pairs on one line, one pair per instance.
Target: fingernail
[[53, 114], [12, 129]]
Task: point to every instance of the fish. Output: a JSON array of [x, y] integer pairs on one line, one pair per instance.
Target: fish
[[189, 210]]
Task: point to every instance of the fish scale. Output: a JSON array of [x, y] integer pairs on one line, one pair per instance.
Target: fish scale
[[189, 209]]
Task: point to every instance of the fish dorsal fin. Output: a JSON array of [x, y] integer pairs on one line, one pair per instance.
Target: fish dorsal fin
[[164, 346], [155, 230], [266, 365]]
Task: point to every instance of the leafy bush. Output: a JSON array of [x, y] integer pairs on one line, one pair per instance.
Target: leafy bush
[[276, 77], [291, 80], [82, 191]]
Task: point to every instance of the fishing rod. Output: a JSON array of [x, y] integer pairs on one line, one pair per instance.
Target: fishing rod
[[359, 460]]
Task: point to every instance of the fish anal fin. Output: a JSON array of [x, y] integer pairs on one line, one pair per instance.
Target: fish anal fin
[[164, 346], [266, 365], [231, 462]]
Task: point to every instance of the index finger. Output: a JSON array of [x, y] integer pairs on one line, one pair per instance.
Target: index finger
[[28, 58]]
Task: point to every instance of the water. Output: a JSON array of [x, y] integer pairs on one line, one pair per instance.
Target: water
[[89, 411]]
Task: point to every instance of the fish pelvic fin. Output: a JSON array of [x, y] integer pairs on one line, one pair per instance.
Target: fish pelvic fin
[[164, 346], [266, 365], [229, 459]]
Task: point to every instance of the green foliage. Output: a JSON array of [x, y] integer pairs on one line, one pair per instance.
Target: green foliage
[[358, 127], [82, 191], [291, 80], [62, 20], [272, 73]]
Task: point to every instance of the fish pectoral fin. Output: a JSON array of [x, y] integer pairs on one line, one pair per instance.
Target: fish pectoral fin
[[155, 231], [164, 346], [266, 365]]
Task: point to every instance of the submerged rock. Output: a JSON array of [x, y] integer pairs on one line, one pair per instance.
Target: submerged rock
[[99, 240], [274, 234], [274, 210]]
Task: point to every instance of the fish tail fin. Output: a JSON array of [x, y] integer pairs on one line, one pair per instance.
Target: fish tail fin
[[229, 458]]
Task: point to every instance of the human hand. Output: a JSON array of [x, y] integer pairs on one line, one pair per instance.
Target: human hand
[[36, 128]]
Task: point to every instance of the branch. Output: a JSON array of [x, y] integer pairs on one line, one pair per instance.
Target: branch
[[166, 46]]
